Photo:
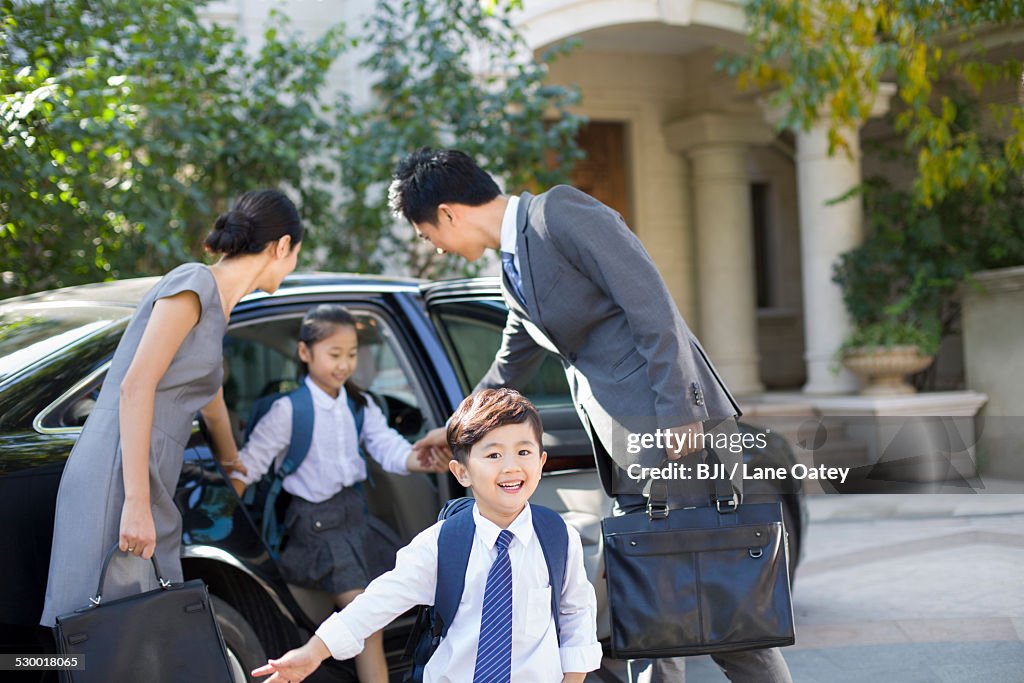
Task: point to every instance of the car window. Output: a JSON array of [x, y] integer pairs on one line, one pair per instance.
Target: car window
[[261, 359], [473, 331], [31, 332], [70, 413]]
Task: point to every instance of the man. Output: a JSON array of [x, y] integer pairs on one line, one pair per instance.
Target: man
[[579, 283]]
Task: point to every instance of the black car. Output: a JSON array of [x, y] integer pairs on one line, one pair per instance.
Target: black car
[[422, 347]]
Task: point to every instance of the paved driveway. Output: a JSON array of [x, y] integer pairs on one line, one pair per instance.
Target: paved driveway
[[910, 588]]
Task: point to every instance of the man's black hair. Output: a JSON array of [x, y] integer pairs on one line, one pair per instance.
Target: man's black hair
[[428, 177]]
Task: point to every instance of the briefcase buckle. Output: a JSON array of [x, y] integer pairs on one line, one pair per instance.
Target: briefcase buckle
[[657, 510], [729, 506]]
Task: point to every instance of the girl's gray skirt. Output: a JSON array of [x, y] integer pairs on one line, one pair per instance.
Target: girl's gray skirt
[[335, 546]]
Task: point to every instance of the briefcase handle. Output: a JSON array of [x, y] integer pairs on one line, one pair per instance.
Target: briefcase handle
[[723, 497], [95, 600]]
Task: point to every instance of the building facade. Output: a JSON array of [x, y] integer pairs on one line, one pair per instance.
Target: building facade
[[739, 218]]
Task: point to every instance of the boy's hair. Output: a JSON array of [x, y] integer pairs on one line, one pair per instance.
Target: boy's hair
[[428, 178], [485, 411]]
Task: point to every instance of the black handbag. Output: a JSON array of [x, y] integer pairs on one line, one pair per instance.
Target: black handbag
[[699, 580], [166, 635]]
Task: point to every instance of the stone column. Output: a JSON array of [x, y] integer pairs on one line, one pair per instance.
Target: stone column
[[826, 231], [716, 146]]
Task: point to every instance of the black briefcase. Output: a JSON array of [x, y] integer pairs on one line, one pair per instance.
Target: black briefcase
[[166, 635], [698, 580]]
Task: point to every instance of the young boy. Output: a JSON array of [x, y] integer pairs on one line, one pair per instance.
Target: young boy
[[495, 438]]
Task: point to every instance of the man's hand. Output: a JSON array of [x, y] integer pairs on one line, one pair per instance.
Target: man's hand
[[295, 665], [436, 439], [428, 460], [687, 438]]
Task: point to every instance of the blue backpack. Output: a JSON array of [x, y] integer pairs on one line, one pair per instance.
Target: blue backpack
[[456, 537], [261, 498]]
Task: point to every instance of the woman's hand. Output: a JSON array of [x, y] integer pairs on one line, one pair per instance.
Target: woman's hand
[[138, 533], [295, 665]]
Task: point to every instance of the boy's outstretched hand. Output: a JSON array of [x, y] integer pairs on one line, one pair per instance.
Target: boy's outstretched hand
[[295, 665]]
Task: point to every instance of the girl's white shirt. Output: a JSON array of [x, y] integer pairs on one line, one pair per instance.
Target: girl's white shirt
[[333, 462]]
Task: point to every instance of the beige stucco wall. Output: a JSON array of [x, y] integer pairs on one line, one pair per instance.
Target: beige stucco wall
[[648, 92], [780, 327], [993, 327], [644, 92]]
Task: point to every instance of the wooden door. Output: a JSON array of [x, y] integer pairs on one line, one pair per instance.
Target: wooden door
[[603, 173]]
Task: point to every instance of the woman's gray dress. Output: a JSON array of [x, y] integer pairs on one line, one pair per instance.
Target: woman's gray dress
[[88, 517]]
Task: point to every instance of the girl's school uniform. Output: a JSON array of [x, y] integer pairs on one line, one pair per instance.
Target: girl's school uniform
[[327, 524]]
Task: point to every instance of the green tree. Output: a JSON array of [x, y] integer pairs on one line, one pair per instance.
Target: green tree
[[449, 73], [915, 258], [129, 125], [830, 56]]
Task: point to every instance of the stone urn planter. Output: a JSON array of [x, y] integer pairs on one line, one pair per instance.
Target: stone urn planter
[[884, 369]]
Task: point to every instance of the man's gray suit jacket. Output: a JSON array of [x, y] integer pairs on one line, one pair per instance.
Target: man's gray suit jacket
[[594, 297]]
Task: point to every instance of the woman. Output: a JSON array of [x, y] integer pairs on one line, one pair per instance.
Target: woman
[[119, 482]]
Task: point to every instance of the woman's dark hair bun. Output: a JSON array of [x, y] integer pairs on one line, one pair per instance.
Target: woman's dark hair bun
[[232, 234], [257, 218]]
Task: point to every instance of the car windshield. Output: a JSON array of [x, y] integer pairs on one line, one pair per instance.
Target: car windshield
[[30, 332]]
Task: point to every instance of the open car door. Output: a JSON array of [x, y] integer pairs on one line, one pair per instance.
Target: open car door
[[469, 316]]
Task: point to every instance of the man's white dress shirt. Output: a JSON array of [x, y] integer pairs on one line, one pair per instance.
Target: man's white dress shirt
[[508, 231], [537, 656], [333, 462]]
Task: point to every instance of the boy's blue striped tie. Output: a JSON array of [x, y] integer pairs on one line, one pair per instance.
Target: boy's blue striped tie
[[494, 652]]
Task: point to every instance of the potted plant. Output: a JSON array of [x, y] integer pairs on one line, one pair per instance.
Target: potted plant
[[898, 289], [900, 285], [883, 353]]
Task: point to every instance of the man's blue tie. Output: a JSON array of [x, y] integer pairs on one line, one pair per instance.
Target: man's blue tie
[[508, 264], [494, 652]]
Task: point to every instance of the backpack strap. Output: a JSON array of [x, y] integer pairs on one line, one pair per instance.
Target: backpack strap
[[359, 415], [554, 542], [302, 430], [456, 537], [298, 447]]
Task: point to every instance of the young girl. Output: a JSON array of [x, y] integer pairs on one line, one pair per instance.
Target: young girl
[[327, 519]]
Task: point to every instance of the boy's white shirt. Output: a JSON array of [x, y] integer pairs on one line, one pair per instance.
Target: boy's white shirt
[[333, 462], [536, 653]]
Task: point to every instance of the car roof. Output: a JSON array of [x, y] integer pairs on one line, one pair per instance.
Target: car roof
[[129, 292]]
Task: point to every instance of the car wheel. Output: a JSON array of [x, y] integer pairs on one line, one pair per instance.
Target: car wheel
[[245, 652]]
